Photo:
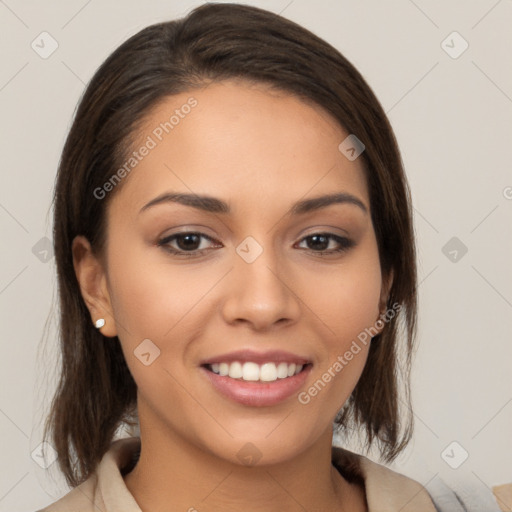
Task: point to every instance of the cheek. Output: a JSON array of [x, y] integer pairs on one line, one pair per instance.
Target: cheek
[[148, 295], [151, 301], [349, 303], [350, 308], [156, 299]]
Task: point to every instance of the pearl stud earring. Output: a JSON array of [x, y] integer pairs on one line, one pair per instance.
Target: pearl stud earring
[[99, 323]]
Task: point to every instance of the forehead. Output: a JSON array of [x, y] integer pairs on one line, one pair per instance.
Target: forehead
[[246, 143]]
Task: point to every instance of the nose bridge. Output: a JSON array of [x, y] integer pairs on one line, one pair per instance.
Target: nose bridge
[[259, 293]]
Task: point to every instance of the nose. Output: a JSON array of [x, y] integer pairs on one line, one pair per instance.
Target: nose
[[261, 293]]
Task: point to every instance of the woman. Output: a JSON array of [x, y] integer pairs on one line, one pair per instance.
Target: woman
[[237, 273]]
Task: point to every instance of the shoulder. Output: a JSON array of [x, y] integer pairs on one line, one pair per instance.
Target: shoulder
[[105, 488], [386, 490], [83, 498]]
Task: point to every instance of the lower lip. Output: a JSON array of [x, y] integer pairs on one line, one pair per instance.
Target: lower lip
[[258, 394]]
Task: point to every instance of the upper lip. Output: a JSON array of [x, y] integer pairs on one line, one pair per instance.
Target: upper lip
[[244, 356]]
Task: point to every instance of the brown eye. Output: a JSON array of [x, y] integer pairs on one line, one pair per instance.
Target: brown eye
[[319, 243], [186, 243]]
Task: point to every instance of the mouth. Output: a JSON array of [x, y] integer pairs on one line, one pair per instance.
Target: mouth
[[257, 380]]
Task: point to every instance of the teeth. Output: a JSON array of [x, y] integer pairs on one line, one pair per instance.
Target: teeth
[[223, 369], [235, 370], [250, 371], [282, 370], [267, 372]]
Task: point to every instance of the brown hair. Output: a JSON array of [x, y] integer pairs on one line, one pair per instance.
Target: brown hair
[[96, 394]]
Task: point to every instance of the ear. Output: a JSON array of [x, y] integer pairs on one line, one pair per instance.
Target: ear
[[387, 282], [91, 276]]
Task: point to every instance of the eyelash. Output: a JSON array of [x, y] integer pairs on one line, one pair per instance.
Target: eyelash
[[345, 244]]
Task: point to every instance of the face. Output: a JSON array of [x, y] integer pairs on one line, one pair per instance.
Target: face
[[247, 283]]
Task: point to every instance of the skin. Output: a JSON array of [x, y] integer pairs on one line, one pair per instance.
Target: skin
[[260, 151]]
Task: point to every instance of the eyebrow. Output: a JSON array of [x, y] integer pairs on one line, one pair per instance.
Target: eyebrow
[[213, 205]]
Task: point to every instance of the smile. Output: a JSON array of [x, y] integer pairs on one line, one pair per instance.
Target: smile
[[250, 371], [257, 378]]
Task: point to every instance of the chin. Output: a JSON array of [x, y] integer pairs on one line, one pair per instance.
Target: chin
[[280, 444]]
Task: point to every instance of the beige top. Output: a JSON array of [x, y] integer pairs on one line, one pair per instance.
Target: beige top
[[105, 490]]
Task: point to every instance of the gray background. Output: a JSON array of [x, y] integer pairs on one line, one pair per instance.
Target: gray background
[[452, 115]]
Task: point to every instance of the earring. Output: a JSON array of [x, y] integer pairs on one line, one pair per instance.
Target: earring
[[99, 323]]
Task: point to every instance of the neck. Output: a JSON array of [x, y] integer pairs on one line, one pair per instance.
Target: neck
[[174, 474]]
